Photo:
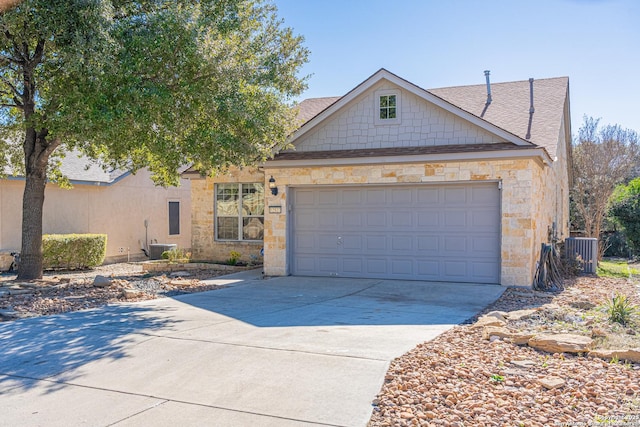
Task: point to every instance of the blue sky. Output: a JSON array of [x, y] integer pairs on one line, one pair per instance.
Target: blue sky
[[451, 42]]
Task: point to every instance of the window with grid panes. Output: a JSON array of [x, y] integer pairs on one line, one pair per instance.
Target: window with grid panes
[[239, 211]]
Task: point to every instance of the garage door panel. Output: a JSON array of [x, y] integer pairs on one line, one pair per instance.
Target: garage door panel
[[483, 218], [484, 269], [455, 196], [456, 269], [305, 241], [376, 219], [352, 243], [428, 219], [352, 265], [328, 265], [428, 196], [402, 267], [402, 243], [352, 219], [455, 219], [375, 197], [455, 245], [327, 242], [305, 198], [376, 243], [306, 220], [329, 220], [305, 264], [402, 197], [327, 197], [416, 231], [352, 197], [483, 245], [428, 244], [428, 269]]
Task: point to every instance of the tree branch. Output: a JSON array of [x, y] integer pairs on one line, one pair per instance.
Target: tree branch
[[14, 89], [9, 106]]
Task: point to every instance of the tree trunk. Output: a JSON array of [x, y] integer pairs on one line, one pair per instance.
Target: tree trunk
[[32, 202], [37, 151]]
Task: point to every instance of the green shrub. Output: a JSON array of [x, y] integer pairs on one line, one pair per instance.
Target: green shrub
[[176, 255], [620, 309], [73, 251]]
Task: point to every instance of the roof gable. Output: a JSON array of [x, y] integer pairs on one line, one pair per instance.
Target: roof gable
[[409, 87], [420, 123], [507, 116]]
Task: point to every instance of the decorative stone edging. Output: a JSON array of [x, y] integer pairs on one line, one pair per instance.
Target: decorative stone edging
[[155, 266], [494, 327]]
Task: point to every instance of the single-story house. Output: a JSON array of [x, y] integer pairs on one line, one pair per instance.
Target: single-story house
[[127, 207], [394, 181]]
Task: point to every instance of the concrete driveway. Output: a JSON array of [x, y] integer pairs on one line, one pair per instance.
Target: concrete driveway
[[286, 351]]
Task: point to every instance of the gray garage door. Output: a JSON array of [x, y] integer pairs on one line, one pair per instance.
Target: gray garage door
[[419, 232]]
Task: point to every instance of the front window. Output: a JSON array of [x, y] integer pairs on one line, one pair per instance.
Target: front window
[[239, 211]]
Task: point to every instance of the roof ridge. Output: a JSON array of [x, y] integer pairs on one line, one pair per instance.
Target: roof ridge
[[498, 83]]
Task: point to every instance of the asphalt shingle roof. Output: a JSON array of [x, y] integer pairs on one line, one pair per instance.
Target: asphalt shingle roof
[[509, 109]]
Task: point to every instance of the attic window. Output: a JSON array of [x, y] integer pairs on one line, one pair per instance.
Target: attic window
[[387, 108]]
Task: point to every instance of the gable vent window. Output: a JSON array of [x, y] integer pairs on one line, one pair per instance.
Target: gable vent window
[[387, 108]]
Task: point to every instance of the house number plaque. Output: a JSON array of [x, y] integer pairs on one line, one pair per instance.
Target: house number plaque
[[275, 209]]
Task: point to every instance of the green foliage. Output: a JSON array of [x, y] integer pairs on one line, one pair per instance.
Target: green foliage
[[150, 83], [495, 378], [176, 255], [625, 210], [234, 256], [612, 268], [73, 251], [620, 309]]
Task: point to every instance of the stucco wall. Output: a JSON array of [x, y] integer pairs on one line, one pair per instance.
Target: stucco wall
[[118, 210], [421, 124], [204, 245]]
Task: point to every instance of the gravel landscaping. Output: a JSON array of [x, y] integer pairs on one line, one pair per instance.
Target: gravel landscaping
[[472, 375], [466, 378], [60, 292]]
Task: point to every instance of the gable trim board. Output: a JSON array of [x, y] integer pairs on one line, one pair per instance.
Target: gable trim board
[[341, 149]]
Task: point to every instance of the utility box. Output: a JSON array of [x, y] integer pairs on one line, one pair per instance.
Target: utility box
[[156, 249], [584, 250]]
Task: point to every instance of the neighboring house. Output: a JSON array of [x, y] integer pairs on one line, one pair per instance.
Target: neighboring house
[[127, 207], [394, 181]]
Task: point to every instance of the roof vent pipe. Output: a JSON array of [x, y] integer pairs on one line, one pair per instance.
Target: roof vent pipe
[[531, 109], [486, 74]]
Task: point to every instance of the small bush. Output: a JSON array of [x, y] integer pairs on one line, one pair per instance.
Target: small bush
[[73, 251], [234, 256], [620, 309], [176, 255]]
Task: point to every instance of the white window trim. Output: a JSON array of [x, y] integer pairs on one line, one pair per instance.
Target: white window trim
[[377, 119], [215, 213]]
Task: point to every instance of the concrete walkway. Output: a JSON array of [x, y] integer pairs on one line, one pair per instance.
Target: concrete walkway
[[287, 351]]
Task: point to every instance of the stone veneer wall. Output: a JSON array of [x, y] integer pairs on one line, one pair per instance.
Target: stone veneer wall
[[524, 220], [531, 201], [203, 243]]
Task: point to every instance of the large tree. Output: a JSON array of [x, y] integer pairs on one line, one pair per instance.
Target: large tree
[[153, 83], [603, 157]]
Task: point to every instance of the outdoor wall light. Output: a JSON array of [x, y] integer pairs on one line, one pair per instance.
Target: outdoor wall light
[[272, 186]]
